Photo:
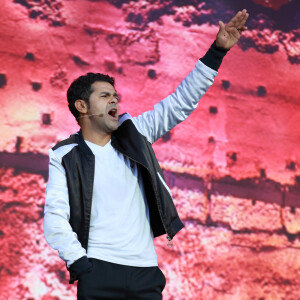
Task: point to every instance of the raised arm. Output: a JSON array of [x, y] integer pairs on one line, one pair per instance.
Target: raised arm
[[179, 105]]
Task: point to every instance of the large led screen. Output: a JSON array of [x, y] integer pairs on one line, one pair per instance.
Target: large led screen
[[233, 166]]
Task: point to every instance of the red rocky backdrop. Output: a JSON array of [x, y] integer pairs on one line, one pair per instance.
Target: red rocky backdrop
[[233, 166]]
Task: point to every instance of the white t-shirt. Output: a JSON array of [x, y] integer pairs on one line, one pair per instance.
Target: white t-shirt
[[120, 229]]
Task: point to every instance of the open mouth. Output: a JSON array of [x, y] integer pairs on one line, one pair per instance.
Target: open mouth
[[113, 112]]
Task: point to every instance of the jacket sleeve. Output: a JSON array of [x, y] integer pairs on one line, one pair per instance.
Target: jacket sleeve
[[57, 230], [179, 105]]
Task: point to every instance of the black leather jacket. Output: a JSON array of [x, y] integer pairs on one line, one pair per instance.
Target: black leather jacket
[[79, 165]]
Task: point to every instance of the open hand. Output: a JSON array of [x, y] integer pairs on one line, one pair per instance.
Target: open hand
[[229, 34]]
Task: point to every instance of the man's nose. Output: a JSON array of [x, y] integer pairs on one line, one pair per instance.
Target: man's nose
[[114, 99]]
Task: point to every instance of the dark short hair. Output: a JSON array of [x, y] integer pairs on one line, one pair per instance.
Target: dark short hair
[[81, 88]]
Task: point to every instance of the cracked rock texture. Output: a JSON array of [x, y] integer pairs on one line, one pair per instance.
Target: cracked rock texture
[[233, 167]]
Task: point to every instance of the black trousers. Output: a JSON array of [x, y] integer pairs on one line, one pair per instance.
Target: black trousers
[[113, 281]]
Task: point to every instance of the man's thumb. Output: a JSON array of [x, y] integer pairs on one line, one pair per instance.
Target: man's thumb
[[221, 26]]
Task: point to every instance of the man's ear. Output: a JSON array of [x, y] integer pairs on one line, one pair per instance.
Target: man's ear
[[81, 106]]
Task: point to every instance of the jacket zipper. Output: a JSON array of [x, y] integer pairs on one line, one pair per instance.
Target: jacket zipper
[[169, 242]]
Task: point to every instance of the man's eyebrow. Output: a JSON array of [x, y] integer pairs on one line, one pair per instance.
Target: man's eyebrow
[[106, 92]]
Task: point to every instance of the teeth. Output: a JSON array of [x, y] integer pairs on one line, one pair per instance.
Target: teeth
[[113, 112]]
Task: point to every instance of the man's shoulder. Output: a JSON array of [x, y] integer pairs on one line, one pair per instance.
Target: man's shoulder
[[69, 141], [124, 117], [65, 146]]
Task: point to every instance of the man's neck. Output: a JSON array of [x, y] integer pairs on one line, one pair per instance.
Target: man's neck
[[100, 139]]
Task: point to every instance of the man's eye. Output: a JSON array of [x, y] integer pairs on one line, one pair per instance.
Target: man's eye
[[109, 95]]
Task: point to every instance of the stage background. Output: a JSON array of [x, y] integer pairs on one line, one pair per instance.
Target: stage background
[[233, 166]]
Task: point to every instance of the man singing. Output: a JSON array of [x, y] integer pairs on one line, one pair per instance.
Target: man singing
[[106, 196]]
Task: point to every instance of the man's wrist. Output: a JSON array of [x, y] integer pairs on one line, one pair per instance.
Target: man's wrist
[[80, 266], [214, 56]]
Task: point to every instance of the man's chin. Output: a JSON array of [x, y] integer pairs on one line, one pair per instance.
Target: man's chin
[[114, 128]]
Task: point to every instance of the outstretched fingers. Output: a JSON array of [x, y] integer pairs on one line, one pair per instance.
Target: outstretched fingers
[[243, 20], [239, 20]]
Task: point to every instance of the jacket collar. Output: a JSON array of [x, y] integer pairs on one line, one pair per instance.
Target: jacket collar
[[82, 144], [86, 149]]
